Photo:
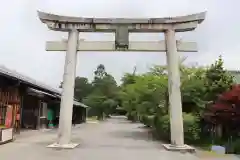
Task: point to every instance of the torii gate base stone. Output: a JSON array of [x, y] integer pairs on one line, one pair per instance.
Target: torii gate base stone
[[122, 27]]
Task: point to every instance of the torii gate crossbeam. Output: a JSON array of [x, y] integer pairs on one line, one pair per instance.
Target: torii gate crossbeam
[[134, 46]]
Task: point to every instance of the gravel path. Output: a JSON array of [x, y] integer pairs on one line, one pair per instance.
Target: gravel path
[[114, 139]]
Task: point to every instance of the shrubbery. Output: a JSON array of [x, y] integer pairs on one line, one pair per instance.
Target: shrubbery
[[191, 127], [236, 146], [147, 120], [190, 123], [147, 94]]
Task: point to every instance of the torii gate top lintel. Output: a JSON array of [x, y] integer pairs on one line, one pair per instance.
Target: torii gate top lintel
[[84, 24]]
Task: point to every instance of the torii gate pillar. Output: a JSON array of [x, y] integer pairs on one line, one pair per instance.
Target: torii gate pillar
[[66, 106], [175, 102], [122, 27]]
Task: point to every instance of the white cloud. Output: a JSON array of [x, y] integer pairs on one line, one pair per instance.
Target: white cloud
[[23, 36]]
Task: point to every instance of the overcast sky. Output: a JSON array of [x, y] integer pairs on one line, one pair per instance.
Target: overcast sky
[[23, 36]]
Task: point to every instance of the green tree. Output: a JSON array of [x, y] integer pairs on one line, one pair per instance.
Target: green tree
[[100, 72], [218, 80], [82, 88], [128, 79], [95, 101], [104, 82], [103, 98], [193, 89], [144, 96]]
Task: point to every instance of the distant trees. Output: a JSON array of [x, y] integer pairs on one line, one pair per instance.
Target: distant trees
[[103, 96], [82, 88]]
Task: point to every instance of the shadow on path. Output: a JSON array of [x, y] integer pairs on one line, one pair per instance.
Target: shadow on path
[[137, 131], [142, 134]]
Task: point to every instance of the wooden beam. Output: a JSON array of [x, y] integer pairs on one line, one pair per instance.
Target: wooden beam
[[134, 46]]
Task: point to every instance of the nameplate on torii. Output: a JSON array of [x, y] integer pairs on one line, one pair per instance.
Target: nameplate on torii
[[134, 46]]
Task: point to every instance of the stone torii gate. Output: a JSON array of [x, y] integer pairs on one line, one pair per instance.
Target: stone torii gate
[[122, 27]]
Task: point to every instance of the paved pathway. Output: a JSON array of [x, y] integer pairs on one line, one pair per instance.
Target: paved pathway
[[114, 139]]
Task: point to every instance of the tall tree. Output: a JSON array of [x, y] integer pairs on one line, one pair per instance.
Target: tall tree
[[103, 98], [100, 72], [129, 78], [82, 88], [218, 80]]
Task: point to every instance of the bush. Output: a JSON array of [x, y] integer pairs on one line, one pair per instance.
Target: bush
[[190, 122], [150, 120], [147, 120], [236, 146], [143, 119], [132, 116], [161, 127], [191, 127], [165, 124]]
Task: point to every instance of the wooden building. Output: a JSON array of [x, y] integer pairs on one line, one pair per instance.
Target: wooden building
[[28, 104]]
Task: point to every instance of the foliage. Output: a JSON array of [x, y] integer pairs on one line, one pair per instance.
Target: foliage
[[191, 127], [96, 103], [226, 109], [148, 120], [217, 81], [193, 89], [82, 88], [102, 99], [146, 94], [236, 146], [190, 123], [145, 97], [163, 125], [109, 106], [128, 79]]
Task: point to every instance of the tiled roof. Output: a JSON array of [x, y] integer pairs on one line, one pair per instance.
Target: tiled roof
[[14, 74], [33, 83]]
